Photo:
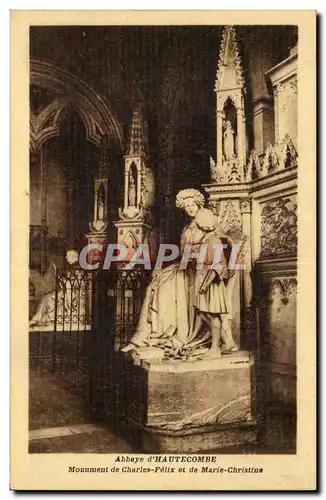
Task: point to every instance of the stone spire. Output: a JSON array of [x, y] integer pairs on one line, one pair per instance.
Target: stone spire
[[230, 113], [135, 216], [229, 73], [137, 144]]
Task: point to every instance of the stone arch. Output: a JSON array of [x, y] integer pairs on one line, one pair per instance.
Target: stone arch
[[224, 95], [94, 111]]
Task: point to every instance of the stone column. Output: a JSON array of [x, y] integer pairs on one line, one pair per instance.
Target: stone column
[[247, 333], [219, 136], [263, 124], [241, 136], [276, 117], [95, 200], [138, 184]]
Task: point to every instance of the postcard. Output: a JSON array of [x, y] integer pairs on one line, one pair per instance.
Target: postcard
[[163, 250]]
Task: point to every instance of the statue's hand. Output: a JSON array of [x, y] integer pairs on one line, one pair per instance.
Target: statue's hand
[[208, 280]]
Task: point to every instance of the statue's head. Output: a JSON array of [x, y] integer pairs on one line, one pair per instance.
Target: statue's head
[[71, 256], [190, 200]]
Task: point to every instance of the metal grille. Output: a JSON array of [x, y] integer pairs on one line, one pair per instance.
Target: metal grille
[[96, 313], [73, 301]]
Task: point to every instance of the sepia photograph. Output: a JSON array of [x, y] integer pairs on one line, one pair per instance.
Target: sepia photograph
[[163, 226]]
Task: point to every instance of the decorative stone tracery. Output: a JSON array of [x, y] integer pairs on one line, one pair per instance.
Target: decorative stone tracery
[[279, 227], [230, 218], [285, 287]]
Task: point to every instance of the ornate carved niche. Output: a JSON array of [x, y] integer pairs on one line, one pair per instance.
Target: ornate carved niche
[[230, 113], [139, 179], [136, 214], [279, 227], [100, 217], [132, 187]]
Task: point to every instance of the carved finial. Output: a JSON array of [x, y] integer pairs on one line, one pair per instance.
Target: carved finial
[[288, 153], [215, 174], [253, 167], [229, 62], [270, 162]]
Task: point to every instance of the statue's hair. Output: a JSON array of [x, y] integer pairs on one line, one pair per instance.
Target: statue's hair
[[196, 195], [72, 250], [206, 219]]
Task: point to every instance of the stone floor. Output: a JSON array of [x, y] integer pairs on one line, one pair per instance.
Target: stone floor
[[98, 441], [51, 404], [59, 422]]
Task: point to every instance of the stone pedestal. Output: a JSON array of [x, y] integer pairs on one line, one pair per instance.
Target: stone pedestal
[[191, 406]]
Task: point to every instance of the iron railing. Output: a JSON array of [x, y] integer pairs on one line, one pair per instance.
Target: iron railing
[[96, 313]]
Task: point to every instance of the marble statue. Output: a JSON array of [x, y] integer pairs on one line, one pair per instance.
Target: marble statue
[[186, 312], [67, 300], [132, 192], [228, 137]]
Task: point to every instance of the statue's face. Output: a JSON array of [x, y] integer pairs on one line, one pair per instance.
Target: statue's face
[[191, 207]]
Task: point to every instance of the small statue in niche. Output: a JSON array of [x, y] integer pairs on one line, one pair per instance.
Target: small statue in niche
[[132, 191], [67, 300], [228, 140], [100, 203]]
